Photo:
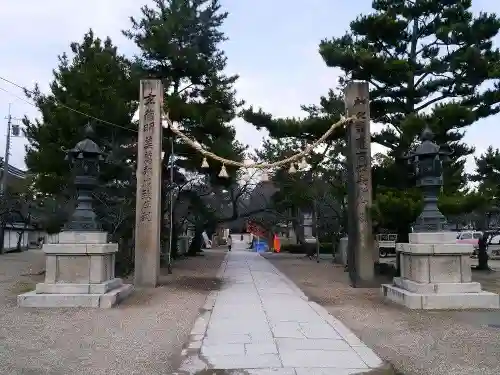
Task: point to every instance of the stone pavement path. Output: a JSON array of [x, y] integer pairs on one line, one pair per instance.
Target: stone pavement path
[[260, 323]]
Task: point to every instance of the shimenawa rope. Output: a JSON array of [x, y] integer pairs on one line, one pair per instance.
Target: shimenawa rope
[[288, 160]]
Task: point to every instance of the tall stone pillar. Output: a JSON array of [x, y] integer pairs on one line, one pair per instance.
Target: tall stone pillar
[[360, 243], [148, 206]]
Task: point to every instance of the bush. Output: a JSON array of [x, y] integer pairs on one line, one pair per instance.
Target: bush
[[324, 248]]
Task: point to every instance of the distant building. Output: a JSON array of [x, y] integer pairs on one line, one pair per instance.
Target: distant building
[[14, 176], [13, 230]]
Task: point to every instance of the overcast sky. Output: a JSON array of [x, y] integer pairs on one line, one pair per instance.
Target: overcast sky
[[273, 47]]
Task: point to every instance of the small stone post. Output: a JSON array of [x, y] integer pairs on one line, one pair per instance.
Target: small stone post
[[148, 206], [360, 243]]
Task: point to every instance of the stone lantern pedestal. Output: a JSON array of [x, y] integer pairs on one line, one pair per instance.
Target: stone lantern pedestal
[[436, 274], [79, 273]]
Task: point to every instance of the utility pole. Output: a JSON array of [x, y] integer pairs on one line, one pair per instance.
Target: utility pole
[[12, 130], [5, 174], [3, 184]]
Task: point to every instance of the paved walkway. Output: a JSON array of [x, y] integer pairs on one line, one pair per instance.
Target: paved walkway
[[260, 323]]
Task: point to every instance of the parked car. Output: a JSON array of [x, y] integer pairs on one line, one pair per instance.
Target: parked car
[[493, 244], [469, 237], [386, 244]]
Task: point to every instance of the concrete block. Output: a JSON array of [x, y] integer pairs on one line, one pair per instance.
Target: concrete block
[[453, 248], [58, 248], [465, 269], [32, 299], [105, 287], [461, 301], [434, 249], [104, 248], [115, 296], [413, 286], [62, 288], [98, 272], [416, 268], [50, 268], [442, 301], [73, 237], [72, 288], [106, 300], [430, 288], [447, 288], [433, 238], [402, 297], [444, 269], [73, 269]]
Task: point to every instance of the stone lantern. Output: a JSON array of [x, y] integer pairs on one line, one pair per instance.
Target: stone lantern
[[435, 269], [427, 160], [84, 158], [79, 270]]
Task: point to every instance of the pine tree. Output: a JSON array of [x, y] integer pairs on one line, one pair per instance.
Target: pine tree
[[428, 62], [95, 80], [487, 172], [425, 61], [179, 43], [487, 177]]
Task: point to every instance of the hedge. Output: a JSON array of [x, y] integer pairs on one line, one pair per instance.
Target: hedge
[[324, 248]]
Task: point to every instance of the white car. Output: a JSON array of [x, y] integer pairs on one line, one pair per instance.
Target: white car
[[469, 237]]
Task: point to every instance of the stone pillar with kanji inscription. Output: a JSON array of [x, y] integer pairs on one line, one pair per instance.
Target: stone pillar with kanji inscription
[[148, 199], [360, 236]]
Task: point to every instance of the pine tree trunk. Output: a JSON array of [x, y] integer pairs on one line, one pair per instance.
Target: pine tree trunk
[[195, 246], [482, 257]]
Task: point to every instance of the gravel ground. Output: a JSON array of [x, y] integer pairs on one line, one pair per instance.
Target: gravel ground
[[415, 342], [144, 335]]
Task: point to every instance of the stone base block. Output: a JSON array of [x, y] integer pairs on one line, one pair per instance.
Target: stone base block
[[74, 288], [439, 288], [433, 237], [104, 300], [441, 301], [77, 237]]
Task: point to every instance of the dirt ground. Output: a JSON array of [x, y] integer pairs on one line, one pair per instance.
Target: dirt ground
[[415, 342], [144, 335]]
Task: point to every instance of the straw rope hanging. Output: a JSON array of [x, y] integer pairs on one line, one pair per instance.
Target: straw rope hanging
[[290, 160]]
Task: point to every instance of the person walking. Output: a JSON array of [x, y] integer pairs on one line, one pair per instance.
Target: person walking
[[229, 242]]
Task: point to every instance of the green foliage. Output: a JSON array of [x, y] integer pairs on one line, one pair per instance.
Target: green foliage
[[487, 174], [396, 210], [458, 205], [424, 61], [309, 248], [179, 42], [96, 80], [323, 183]]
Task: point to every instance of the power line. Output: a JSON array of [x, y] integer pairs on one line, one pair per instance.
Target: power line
[[55, 101]]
